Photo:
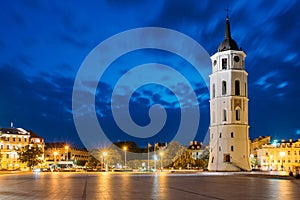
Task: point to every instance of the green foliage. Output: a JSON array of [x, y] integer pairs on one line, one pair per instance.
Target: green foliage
[[30, 155], [184, 161], [172, 153], [201, 163]]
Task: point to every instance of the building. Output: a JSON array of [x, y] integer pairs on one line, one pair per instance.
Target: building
[[284, 155], [11, 140], [229, 137], [60, 151], [196, 149], [258, 143]]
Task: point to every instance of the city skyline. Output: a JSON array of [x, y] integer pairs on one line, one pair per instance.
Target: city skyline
[[43, 45]]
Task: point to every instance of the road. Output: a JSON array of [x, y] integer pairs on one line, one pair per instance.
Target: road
[[106, 185]]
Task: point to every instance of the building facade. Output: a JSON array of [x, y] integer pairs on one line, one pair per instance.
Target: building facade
[[196, 149], [11, 140], [281, 156], [229, 137], [61, 152]]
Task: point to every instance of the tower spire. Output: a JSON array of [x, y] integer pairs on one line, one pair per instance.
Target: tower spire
[[227, 29], [228, 43]]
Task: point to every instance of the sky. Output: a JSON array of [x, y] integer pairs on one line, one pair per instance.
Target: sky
[[43, 45]]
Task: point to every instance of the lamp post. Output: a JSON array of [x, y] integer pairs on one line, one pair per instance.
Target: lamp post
[[55, 154], [271, 167], [161, 158], [282, 154], [125, 148], [104, 154], [67, 152]]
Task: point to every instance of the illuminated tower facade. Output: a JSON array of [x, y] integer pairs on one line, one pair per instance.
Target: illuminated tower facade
[[229, 129]]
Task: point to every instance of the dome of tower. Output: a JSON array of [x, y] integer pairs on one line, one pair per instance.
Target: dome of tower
[[228, 43]]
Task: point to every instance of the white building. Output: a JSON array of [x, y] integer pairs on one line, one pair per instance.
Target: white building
[[229, 138]]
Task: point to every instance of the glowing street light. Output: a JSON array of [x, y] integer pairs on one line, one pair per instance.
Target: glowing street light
[[104, 154], [282, 154], [67, 150], [161, 157], [55, 154], [125, 148]]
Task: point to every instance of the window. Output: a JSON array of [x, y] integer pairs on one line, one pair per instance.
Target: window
[[212, 160], [220, 135], [220, 148], [2, 146], [7, 146], [226, 158], [19, 139], [289, 153], [214, 91], [224, 88], [237, 87], [7, 155], [231, 148], [224, 115], [25, 139], [295, 152], [14, 139], [224, 63], [231, 134], [237, 114]]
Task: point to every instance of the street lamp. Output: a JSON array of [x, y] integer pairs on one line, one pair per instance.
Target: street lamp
[[104, 154], [282, 154], [155, 159], [67, 150], [55, 154], [125, 148], [161, 157], [271, 158]]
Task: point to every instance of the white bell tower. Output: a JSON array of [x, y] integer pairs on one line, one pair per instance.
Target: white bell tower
[[229, 137]]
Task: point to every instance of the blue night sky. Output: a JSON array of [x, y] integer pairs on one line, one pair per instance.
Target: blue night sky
[[43, 44]]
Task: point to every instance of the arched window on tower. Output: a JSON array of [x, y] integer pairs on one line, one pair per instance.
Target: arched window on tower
[[214, 91], [224, 115], [224, 63], [224, 87], [237, 87], [238, 114]]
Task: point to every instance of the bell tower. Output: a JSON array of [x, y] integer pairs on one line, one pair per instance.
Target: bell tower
[[229, 129]]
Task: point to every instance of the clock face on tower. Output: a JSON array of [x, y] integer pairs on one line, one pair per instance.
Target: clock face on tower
[[236, 58]]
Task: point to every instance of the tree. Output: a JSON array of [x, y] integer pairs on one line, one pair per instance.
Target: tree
[[172, 153], [30, 155], [185, 160]]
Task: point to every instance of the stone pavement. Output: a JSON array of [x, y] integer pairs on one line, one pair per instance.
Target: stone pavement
[[107, 185]]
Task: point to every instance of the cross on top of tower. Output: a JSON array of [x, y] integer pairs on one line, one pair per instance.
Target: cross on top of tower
[[227, 13]]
